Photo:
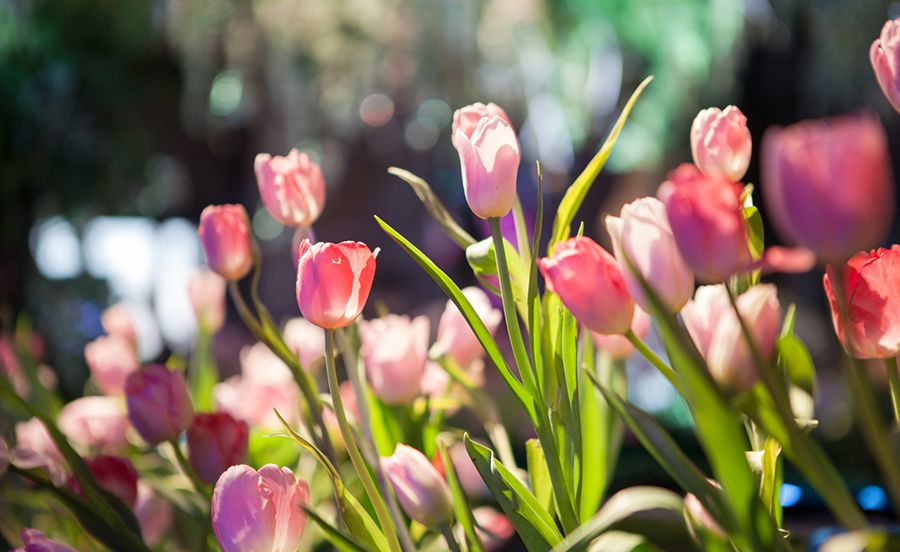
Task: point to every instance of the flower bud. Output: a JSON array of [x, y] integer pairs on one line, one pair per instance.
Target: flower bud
[[466, 119], [421, 490], [292, 187], [117, 321], [95, 422], [721, 143], [158, 403], [206, 290], [36, 449], [114, 474], [225, 235], [334, 281], [154, 514], [215, 443], [454, 336], [253, 511], [490, 164], [590, 283], [885, 57], [395, 349], [111, 360], [306, 341], [494, 528], [617, 346], [35, 541]]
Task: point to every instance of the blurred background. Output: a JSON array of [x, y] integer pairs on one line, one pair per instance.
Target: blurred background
[[120, 121]]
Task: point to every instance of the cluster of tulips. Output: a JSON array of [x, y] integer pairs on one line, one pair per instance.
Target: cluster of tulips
[[381, 465]]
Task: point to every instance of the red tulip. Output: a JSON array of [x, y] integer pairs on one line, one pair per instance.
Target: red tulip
[[292, 187], [225, 235], [116, 475], [158, 403], [333, 281], [216, 442]]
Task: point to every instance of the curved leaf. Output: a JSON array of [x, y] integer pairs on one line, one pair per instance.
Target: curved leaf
[[434, 207]]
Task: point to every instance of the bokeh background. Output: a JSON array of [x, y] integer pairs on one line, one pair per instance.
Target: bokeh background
[[120, 121]]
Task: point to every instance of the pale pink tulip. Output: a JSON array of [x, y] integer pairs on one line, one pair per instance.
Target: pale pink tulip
[[465, 119], [334, 281], [95, 423], [117, 321], [306, 341], [265, 384], [206, 290], [421, 490], [292, 187], [885, 57], [225, 234], [454, 336], [490, 163], [35, 449], [111, 360], [154, 514], [159, 406], [394, 349], [721, 143], [617, 346], [36, 541]]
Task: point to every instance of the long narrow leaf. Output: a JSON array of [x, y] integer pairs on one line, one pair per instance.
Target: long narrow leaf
[[460, 503], [434, 207]]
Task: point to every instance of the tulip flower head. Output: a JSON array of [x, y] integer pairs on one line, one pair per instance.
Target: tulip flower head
[[489, 158], [421, 490], [216, 441], [115, 474], [306, 341], [158, 403], [721, 143], [206, 290], [454, 336], [334, 281], [395, 349], [36, 541], [871, 295], [95, 422], [264, 385], [225, 234], [590, 283], [259, 510], [111, 360], [292, 187], [617, 346], [466, 119], [153, 512], [885, 57], [117, 321]]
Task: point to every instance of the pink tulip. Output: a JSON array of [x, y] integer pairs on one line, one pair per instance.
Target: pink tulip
[[333, 282], [721, 143], [395, 349], [698, 515], [35, 541], [827, 184], [871, 297], [158, 403], [206, 290], [259, 511], [643, 236], [114, 474], [95, 422], [421, 490], [494, 528], [885, 57], [154, 514], [225, 235], [466, 119], [306, 341], [454, 336], [490, 163], [716, 331], [292, 187], [216, 441], [351, 409], [617, 346], [590, 284], [435, 380], [36, 449], [265, 383], [111, 360], [117, 321]]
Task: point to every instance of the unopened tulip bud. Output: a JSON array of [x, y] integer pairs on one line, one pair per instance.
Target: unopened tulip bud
[[421, 490], [117, 321], [95, 422], [206, 290], [114, 474], [334, 281], [395, 349], [225, 235], [721, 143], [490, 163], [494, 528], [215, 443], [158, 403], [111, 360], [292, 187], [885, 57], [466, 119], [259, 511]]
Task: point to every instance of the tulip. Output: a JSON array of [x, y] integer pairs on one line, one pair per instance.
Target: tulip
[[114, 474], [215, 443], [206, 290], [716, 331], [158, 403], [421, 490], [36, 449], [95, 422], [259, 511], [721, 143], [306, 341], [827, 184], [466, 119], [333, 281], [590, 284], [35, 541], [705, 216], [111, 360], [395, 349], [225, 235], [351, 409], [871, 295], [154, 514], [490, 162], [617, 346], [265, 384], [455, 337], [292, 187], [642, 235], [117, 321], [494, 528], [885, 57]]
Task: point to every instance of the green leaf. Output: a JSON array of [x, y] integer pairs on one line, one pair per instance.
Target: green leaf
[[538, 474], [455, 294], [434, 207], [533, 523], [264, 449], [335, 536], [576, 193], [770, 491], [202, 375], [460, 504], [797, 363], [620, 506], [483, 261]]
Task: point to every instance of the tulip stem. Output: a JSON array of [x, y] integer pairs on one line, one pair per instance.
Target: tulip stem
[[893, 370], [201, 488], [655, 360], [447, 531], [381, 510]]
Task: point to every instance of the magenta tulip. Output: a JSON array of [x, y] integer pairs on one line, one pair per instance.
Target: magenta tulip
[[721, 143], [292, 187], [334, 281], [225, 235], [490, 162], [158, 403], [421, 490], [395, 349], [36, 541]]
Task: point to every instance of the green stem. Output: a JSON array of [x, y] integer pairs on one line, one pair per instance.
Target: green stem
[[893, 371], [381, 511], [656, 361], [200, 487], [447, 531]]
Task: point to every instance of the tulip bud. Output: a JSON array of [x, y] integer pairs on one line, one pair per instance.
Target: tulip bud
[[225, 235], [421, 490], [590, 284], [35, 541], [333, 282], [114, 474], [111, 360], [617, 346], [306, 341], [827, 184], [885, 56], [490, 163], [154, 514], [494, 528], [705, 216], [716, 331], [206, 290], [117, 321], [871, 297], [215, 443], [454, 335], [721, 143], [253, 511], [466, 119], [36, 449], [642, 235], [95, 422], [394, 349], [292, 187], [158, 403]]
